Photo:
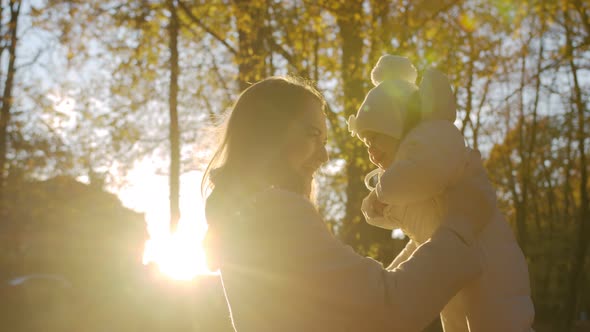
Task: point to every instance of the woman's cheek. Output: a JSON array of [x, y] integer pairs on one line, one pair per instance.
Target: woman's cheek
[[308, 151], [299, 154]]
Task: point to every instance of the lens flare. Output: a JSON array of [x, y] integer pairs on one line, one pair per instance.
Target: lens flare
[[179, 255]]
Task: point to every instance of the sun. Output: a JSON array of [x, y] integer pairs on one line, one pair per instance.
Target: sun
[[178, 255]]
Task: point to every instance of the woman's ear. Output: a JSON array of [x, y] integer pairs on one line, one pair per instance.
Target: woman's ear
[[437, 97]]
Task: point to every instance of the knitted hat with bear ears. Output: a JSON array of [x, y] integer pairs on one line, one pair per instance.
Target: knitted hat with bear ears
[[385, 106]]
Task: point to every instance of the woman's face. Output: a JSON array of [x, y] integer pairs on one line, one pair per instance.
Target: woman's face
[[382, 148], [306, 142]]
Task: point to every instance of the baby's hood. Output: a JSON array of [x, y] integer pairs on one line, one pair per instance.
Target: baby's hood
[[437, 97]]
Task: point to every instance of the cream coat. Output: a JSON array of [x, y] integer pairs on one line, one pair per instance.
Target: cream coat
[[283, 271]]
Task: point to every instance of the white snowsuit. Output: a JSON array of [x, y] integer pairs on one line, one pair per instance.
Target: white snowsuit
[[430, 158]]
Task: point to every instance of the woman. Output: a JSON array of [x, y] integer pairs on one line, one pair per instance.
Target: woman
[[281, 268]]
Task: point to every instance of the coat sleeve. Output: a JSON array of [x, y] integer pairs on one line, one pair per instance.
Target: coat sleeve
[[404, 255], [356, 288], [428, 160]]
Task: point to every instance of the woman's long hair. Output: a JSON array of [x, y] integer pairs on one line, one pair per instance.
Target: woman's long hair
[[249, 155]]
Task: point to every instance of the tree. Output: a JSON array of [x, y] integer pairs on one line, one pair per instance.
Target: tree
[[580, 109], [8, 46], [173, 27]]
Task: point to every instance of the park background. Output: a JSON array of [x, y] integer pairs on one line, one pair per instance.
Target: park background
[[108, 112]]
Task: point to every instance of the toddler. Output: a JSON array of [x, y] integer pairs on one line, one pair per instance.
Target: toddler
[[411, 137]]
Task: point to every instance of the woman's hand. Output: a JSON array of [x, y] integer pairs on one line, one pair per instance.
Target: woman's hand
[[471, 202]]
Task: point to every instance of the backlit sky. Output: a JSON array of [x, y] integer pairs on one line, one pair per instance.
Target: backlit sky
[[145, 190]]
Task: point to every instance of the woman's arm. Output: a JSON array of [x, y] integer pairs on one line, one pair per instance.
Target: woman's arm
[[354, 287], [403, 255], [432, 276]]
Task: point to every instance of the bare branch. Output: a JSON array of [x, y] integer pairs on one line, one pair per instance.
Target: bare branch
[[198, 22], [32, 62]]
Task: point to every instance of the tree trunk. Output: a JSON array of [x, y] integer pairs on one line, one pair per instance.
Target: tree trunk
[[526, 154], [583, 233], [349, 22], [252, 52], [173, 28], [7, 95], [521, 200], [469, 88]]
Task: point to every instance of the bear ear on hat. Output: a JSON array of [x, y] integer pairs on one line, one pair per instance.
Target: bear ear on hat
[[437, 97], [393, 67]]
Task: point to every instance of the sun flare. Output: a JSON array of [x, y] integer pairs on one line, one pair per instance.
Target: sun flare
[[178, 255]]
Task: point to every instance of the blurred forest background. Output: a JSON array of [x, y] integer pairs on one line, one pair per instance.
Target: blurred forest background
[[89, 88]]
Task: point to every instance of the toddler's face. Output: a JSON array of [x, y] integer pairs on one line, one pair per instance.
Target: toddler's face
[[382, 148]]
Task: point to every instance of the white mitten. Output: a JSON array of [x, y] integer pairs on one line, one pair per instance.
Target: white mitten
[[373, 216]]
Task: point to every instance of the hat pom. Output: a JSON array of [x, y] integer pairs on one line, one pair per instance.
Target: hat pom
[[393, 67]]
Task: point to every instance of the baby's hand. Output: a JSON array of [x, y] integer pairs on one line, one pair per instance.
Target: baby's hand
[[372, 209], [379, 206]]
